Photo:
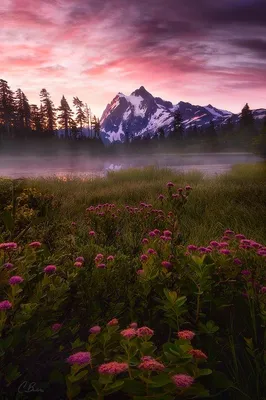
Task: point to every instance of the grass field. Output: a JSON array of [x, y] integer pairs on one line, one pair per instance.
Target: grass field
[[125, 287]]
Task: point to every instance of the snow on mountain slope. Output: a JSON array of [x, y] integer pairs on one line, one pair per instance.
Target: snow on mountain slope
[[140, 113]]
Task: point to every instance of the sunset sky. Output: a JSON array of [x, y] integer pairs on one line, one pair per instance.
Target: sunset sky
[[199, 51]]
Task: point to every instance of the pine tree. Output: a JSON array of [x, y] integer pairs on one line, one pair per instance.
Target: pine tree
[[96, 126], [65, 117], [246, 118], [87, 121], [161, 133], [48, 111], [35, 120], [22, 111], [80, 113], [7, 107], [178, 130]]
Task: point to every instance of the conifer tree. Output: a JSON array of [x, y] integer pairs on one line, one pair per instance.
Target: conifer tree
[[7, 107], [48, 111], [36, 118], [65, 116], [178, 130], [246, 118], [80, 113], [22, 111]]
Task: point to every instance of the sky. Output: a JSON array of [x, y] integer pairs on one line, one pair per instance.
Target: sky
[[200, 51]]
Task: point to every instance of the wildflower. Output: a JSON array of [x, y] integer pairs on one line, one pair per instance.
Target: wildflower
[[35, 245], [73, 223], [99, 257], [133, 325], [188, 188], [150, 364], [225, 252], [245, 272], [151, 251], [166, 264], [113, 322], [186, 335], [101, 266], [15, 280], [255, 245], [95, 329], [240, 236], [49, 269], [183, 380], [144, 331], [237, 261], [145, 241], [167, 233], [152, 234], [192, 247], [228, 232], [157, 231], [161, 197], [225, 238], [198, 354], [56, 327], [143, 257], [5, 305], [112, 368], [8, 265], [213, 243], [128, 333], [180, 190], [261, 252], [175, 196], [91, 233], [78, 264], [223, 244], [170, 184], [263, 289], [80, 358], [9, 245], [140, 271], [80, 259], [110, 258]]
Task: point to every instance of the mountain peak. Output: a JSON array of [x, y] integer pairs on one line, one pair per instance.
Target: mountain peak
[[142, 92]]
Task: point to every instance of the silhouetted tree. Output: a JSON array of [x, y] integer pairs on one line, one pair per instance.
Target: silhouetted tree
[[246, 118], [96, 127], [48, 111], [7, 107], [22, 112], [178, 129], [80, 113], [65, 116], [35, 118], [161, 133]]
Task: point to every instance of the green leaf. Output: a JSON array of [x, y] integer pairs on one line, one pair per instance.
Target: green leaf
[[203, 372], [115, 387], [160, 380], [220, 380], [8, 220], [78, 376]]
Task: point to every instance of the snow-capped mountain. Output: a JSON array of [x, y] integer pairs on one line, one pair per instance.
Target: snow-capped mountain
[[141, 113]]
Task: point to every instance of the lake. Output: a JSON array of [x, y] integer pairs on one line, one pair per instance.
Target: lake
[[84, 165]]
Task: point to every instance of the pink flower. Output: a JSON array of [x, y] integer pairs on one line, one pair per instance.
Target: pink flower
[[225, 252], [186, 335], [240, 236], [56, 327], [192, 247], [140, 271], [5, 305], [113, 322], [80, 358], [144, 331], [261, 253], [101, 266], [15, 280], [188, 188], [245, 272], [152, 234], [91, 233], [49, 269], [80, 259], [213, 243], [35, 245], [8, 245], [160, 197], [170, 184], [167, 233], [157, 231], [166, 264], [133, 325], [110, 258], [150, 364], [128, 333], [263, 289], [223, 244], [145, 241], [180, 190], [95, 329], [198, 354], [151, 251], [228, 232], [78, 264], [237, 261], [8, 265], [143, 257], [99, 257], [73, 223], [183, 380], [112, 368]]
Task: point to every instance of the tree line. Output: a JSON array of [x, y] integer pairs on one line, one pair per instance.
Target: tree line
[[19, 119]]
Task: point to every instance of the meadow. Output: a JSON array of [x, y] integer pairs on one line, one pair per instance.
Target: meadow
[[146, 284]]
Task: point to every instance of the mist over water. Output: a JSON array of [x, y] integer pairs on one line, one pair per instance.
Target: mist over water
[[67, 164]]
